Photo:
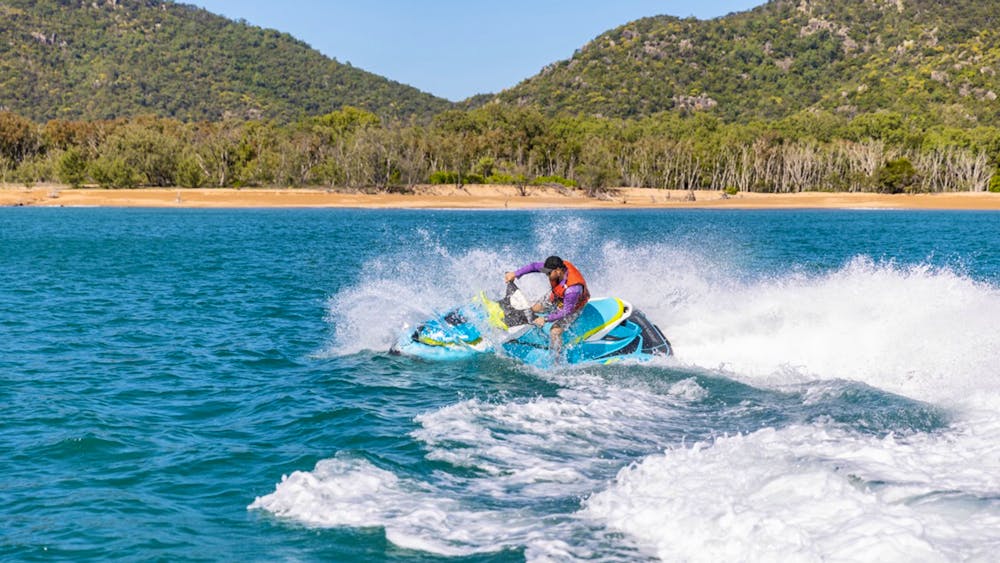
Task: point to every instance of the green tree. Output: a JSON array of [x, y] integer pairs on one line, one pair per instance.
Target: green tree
[[33, 170], [72, 168], [995, 182], [190, 173], [880, 126], [114, 172], [458, 141], [347, 121], [896, 176]]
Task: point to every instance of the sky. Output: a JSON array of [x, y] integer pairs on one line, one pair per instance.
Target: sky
[[454, 48]]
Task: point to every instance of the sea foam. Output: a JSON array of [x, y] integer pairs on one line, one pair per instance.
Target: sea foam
[[805, 491], [916, 330], [346, 491], [808, 493]]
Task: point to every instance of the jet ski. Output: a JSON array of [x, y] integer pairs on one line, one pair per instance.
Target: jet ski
[[608, 330]]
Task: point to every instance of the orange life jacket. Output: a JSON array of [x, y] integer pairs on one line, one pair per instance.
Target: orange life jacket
[[573, 277]]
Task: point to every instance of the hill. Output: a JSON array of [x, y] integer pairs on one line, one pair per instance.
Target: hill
[[101, 59], [931, 57]]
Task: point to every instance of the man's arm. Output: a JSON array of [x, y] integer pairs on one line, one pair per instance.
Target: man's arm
[[570, 299], [529, 268]]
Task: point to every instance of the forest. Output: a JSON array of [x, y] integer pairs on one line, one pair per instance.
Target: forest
[[927, 57], [105, 59], [353, 149]]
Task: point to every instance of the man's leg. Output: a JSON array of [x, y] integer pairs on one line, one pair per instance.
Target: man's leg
[[556, 334], [555, 339]]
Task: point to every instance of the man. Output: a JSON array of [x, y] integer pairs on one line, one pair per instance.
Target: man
[[566, 300]]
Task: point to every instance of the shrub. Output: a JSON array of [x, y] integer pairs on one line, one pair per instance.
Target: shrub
[[72, 168], [895, 176], [189, 173], [497, 178], [114, 172], [444, 177], [485, 167], [541, 180], [731, 190], [995, 182], [29, 172]]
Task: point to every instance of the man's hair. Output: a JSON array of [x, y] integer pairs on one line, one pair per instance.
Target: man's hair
[[552, 263]]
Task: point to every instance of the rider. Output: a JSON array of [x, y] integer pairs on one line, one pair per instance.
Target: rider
[[566, 300]]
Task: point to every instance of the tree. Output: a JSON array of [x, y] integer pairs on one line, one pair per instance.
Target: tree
[[85, 136], [114, 172], [458, 141], [190, 173], [896, 176], [143, 151], [72, 168], [18, 137], [878, 126], [596, 170], [347, 121]]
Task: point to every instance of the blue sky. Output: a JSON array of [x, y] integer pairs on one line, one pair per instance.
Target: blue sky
[[455, 48]]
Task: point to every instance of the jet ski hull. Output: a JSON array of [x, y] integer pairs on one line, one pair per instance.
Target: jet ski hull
[[628, 340], [608, 330]]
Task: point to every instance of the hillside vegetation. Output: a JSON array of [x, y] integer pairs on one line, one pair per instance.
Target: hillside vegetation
[[105, 59], [354, 149], [935, 58]]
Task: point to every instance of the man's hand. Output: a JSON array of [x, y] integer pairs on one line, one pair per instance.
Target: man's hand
[[539, 321], [510, 276]]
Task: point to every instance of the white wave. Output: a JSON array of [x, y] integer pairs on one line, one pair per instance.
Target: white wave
[[395, 292], [552, 447], [799, 493], [353, 492], [807, 493], [520, 453], [916, 331], [919, 331]]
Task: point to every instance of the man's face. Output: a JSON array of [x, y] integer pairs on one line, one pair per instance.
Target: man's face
[[557, 274]]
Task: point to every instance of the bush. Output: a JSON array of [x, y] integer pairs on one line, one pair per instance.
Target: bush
[[896, 176], [72, 168], [444, 177], [30, 172], [542, 180], [113, 172], [485, 167], [497, 178], [995, 182], [731, 190], [190, 174], [473, 179]]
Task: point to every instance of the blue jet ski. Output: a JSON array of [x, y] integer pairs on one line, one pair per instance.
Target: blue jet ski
[[608, 330]]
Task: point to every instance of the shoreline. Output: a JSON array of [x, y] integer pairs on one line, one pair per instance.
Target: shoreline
[[479, 197]]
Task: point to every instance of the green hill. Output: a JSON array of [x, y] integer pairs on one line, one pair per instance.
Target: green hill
[[87, 59], [938, 58]]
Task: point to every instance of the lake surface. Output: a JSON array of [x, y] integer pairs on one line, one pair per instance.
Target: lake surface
[[215, 385]]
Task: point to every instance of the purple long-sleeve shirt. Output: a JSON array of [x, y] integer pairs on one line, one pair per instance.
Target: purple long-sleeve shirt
[[570, 297]]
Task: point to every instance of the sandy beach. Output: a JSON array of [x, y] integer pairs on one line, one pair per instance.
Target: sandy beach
[[479, 197]]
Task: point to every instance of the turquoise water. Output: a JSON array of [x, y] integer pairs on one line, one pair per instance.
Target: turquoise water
[[214, 385]]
